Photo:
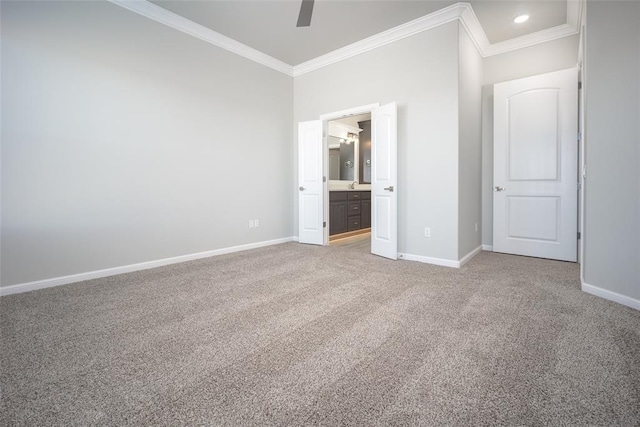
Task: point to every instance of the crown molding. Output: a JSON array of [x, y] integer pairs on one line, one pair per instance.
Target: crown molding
[[468, 19], [462, 12], [180, 23], [442, 16], [469, 22], [538, 37], [574, 19]]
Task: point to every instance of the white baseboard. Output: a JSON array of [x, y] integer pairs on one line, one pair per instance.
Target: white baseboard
[[487, 248], [429, 260], [441, 261], [611, 296], [65, 280], [465, 259]]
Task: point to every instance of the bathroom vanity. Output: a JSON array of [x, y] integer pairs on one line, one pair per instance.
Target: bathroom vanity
[[349, 210]]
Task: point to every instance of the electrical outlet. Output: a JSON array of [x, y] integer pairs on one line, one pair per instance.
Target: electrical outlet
[[427, 232], [476, 227], [251, 223], [256, 223]]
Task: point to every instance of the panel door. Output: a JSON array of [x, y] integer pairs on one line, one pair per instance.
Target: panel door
[[535, 166], [310, 185], [384, 177]]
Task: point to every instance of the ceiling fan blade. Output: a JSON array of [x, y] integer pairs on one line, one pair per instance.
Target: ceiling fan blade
[[306, 9]]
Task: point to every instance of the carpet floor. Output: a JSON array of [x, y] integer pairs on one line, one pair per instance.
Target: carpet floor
[[301, 335]]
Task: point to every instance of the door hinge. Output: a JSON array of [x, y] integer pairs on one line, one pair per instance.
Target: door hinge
[[579, 85], [579, 235], [579, 136], [579, 186], [324, 224], [324, 179]]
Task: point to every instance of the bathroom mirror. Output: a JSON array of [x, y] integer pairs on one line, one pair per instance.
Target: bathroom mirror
[[342, 159], [349, 144]]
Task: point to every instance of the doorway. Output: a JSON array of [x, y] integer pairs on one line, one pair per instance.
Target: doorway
[[349, 144], [314, 160]]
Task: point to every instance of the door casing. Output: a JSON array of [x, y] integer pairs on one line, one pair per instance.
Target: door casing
[[326, 118]]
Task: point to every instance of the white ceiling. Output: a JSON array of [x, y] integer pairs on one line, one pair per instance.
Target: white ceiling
[[496, 17], [270, 25]]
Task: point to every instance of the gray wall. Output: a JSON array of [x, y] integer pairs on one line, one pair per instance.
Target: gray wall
[[539, 59], [470, 145], [125, 141], [420, 73], [612, 187]]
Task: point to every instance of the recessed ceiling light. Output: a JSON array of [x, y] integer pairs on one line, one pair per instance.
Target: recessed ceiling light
[[521, 18]]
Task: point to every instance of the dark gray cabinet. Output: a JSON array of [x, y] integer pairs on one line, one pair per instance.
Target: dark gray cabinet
[[365, 217], [338, 212], [349, 211]]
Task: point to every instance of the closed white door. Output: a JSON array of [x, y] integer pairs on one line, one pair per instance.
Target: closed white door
[[535, 166], [310, 185], [384, 177]]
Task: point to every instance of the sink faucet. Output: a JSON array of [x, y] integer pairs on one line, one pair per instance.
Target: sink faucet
[[353, 185]]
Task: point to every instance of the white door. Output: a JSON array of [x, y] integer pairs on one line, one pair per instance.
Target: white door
[[384, 177], [535, 166], [310, 186]]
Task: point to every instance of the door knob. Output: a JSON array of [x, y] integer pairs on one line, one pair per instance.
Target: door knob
[[302, 188], [498, 188], [389, 188]]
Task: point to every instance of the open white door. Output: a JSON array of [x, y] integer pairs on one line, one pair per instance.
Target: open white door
[[384, 177], [310, 186], [535, 166]]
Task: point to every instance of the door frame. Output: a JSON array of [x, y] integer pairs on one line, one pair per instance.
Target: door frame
[[581, 165], [326, 118]]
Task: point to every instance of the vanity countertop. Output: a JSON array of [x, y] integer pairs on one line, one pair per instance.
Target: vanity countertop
[[349, 189]]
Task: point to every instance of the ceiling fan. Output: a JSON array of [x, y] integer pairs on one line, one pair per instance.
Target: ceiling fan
[[306, 9]]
